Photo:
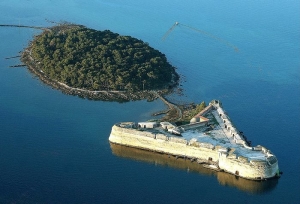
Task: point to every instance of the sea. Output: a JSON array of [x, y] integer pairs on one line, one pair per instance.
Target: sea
[[54, 147]]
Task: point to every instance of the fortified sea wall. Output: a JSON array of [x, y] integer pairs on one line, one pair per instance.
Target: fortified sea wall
[[253, 169], [202, 152], [223, 178], [161, 143]]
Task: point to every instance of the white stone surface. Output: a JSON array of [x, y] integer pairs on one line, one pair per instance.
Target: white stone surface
[[218, 145]]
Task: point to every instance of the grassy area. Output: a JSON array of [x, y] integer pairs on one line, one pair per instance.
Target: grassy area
[[190, 111], [171, 115]]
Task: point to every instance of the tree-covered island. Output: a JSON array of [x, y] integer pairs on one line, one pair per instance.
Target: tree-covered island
[[98, 64]]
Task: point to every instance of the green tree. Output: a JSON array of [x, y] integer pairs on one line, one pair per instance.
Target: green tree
[[86, 58]]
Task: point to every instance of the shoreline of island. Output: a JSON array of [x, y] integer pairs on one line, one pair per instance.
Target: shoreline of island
[[104, 95], [107, 92]]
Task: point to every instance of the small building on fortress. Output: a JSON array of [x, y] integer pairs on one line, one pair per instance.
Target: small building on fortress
[[148, 124]]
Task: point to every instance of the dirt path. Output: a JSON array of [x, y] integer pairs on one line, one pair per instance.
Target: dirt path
[[172, 107]]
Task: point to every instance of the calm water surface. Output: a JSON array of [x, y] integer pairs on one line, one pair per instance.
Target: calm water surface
[[54, 148]]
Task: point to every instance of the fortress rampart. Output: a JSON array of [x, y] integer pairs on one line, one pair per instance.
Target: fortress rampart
[[226, 160], [223, 146], [223, 178], [161, 143]]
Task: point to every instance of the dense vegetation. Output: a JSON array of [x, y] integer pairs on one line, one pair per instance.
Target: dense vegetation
[[195, 110], [190, 111], [100, 60]]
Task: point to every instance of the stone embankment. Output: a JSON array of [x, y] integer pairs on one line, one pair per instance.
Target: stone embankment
[[23, 26], [18, 56], [17, 65]]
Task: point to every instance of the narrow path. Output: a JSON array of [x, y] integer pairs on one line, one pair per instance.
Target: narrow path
[[85, 90], [170, 105]]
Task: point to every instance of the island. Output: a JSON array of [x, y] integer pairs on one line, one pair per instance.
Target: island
[[104, 65], [98, 64], [210, 139]]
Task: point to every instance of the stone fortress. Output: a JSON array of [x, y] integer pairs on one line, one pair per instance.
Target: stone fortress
[[210, 139]]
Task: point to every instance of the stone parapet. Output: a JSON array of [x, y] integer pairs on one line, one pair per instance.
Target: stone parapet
[[227, 159]]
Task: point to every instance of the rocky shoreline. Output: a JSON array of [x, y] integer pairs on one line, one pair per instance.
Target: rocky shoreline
[[103, 95]]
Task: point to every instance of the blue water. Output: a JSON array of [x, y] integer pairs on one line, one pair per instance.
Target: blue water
[[54, 148]]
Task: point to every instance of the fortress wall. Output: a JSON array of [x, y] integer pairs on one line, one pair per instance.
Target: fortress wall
[[139, 139], [243, 159], [246, 169], [237, 167], [177, 140], [204, 151], [161, 137], [201, 144], [206, 145], [205, 110], [231, 156], [258, 148], [168, 145], [195, 144]]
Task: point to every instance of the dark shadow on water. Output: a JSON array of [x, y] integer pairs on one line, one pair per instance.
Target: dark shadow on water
[[225, 179]]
